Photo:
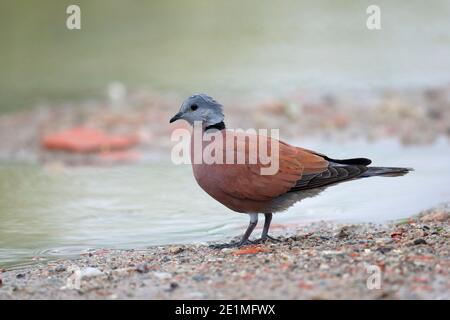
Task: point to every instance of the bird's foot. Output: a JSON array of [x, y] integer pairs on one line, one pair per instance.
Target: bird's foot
[[266, 239], [237, 244]]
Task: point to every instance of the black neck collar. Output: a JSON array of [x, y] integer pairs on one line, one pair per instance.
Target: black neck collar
[[218, 126]]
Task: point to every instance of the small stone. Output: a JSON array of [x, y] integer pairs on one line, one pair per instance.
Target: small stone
[[20, 275], [324, 266], [162, 275], [331, 252], [165, 259], [90, 272], [196, 295], [176, 250], [199, 277], [343, 233], [384, 250], [383, 240], [172, 287], [60, 268], [142, 268], [419, 241]]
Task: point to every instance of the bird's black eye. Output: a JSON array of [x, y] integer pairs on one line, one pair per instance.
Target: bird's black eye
[[194, 107]]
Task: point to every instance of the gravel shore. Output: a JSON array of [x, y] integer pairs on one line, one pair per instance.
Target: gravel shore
[[401, 260]]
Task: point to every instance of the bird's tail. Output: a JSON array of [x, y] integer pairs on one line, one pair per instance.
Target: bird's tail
[[385, 171]]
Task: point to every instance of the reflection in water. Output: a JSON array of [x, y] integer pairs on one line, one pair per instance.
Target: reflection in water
[[48, 212]]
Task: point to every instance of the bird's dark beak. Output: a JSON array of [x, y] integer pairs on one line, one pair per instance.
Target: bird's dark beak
[[176, 117]]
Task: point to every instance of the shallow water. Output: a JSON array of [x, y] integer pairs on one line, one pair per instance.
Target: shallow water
[[50, 212]]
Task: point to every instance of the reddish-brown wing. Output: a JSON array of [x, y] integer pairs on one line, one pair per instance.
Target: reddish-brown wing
[[245, 181]]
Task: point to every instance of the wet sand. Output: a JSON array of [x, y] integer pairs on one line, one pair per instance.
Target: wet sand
[[402, 260]]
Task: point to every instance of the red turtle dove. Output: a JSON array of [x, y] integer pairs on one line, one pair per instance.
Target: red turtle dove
[[241, 185]]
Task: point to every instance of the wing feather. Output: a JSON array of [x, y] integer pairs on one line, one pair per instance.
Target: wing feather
[[299, 169], [245, 181]]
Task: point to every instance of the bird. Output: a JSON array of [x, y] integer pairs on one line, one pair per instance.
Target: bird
[[241, 187]]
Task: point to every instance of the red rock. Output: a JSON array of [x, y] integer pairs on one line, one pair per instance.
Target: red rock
[[304, 285], [86, 140], [396, 234]]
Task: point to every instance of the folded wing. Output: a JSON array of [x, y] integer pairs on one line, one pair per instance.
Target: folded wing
[[245, 181]]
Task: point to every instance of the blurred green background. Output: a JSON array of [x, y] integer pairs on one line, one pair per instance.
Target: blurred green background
[[237, 47]]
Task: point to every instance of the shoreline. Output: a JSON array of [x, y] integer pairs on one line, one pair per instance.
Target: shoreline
[[409, 260]]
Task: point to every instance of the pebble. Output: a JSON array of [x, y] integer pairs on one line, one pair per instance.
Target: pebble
[[176, 250], [196, 295], [165, 259], [162, 275], [384, 250], [142, 268], [172, 287], [343, 233], [89, 272], [419, 241], [324, 266], [199, 277], [331, 252], [383, 240], [60, 268]]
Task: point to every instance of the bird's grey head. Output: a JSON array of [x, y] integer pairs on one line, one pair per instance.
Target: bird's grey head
[[200, 107]]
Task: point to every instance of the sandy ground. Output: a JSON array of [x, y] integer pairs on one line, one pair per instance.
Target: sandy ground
[[403, 260]]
